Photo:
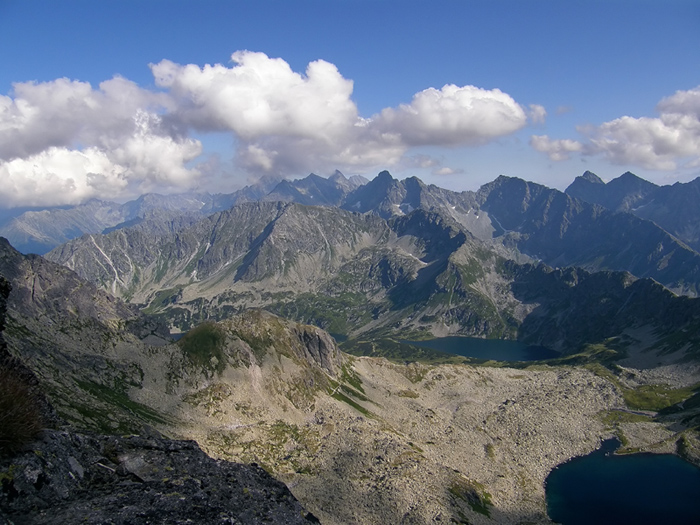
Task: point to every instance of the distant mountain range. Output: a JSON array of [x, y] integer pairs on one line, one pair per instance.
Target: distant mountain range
[[400, 257], [674, 208], [39, 231]]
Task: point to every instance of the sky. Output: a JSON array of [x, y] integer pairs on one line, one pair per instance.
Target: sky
[[111, 99]]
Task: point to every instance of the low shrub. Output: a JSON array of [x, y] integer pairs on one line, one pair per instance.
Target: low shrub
[[20, 413]]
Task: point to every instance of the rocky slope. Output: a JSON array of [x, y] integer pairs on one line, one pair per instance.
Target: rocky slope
[[66, 476], [71, 477]]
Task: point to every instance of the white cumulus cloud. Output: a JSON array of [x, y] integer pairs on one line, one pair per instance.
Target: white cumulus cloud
[[667, 142], [453, 115], [64, 141], [288, 122], [60, 176], [557, 149], [662, 143]]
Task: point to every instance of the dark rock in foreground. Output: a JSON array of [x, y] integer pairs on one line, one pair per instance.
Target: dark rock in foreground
[[75, 478]]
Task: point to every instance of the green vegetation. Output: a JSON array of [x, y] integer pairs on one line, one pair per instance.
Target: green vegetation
[[350, 376], [473, 493], [337, 314], [615, 417], [113, 397], [163, 299], [204, 347], [656, 398], [687, 404], [20, 412], [345, 399], [161, 268]]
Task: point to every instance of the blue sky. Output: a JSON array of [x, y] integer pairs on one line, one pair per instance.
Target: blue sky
[[114, 98]]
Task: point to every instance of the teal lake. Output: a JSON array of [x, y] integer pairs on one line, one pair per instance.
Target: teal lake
[[496, 349], [638, 489]]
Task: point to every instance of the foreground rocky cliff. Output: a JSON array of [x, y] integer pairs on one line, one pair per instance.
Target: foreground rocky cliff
[[63, 476], [70, 477]]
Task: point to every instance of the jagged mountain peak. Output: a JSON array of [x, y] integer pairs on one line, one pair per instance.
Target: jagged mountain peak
[[622, 193], [389, 197], [586, 187], [313, 190], [591, 177], [384, 175], [630, 182]]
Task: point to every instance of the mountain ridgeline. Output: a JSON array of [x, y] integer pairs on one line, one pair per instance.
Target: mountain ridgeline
[[397, 257], [38, 231], [290, 299], [674, 208]]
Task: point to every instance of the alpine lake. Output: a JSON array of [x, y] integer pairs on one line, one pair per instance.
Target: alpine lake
[[601, 487], [487, 349], [640, 489]]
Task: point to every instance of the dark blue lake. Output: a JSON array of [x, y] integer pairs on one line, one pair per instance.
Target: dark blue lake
[[496, 349], [638, 489]]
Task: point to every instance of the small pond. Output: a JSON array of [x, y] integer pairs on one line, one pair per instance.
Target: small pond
[[496, 349], [639, 489]]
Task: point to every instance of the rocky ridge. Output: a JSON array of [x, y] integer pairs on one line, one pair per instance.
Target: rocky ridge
[[71, 477], [39, 231]]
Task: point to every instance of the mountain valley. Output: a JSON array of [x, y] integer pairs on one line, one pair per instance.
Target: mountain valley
[[286, 311]]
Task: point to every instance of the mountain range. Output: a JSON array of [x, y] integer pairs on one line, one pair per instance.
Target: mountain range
[[40, 230], [288, 303], [674, 208], [402, 257]]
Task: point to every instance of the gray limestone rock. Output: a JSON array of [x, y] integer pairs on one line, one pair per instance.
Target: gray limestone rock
[[67, 477]]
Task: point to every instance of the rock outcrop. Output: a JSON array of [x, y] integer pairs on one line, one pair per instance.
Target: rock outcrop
[[70, 477]]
